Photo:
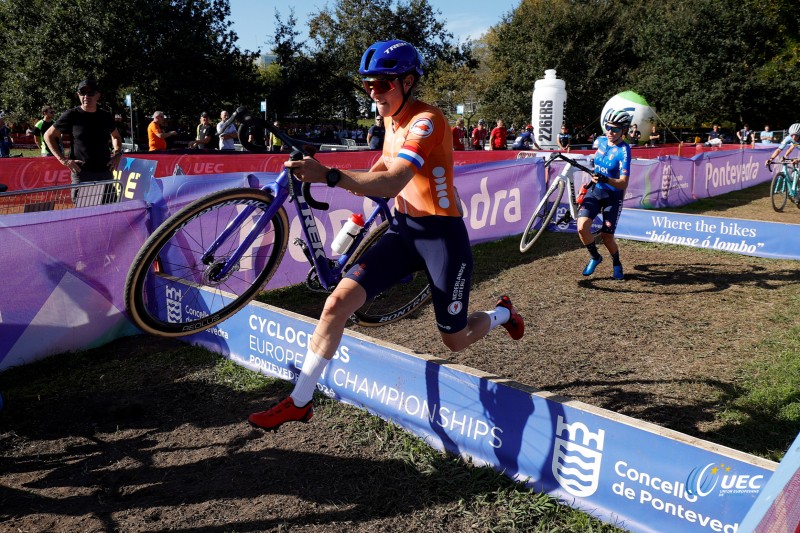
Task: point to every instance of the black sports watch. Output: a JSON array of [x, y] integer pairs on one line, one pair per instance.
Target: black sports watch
[[333, 176]]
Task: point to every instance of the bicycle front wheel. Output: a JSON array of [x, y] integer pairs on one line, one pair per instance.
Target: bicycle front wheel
[[779, 191], [396, 302], [172, 291], [541, 217]]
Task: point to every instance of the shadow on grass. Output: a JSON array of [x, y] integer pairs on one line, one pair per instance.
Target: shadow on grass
[[157, 435], [758, 431], [697, 277]]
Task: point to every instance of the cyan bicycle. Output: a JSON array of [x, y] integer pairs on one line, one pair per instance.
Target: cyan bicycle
[[212, 257], [785, 184]]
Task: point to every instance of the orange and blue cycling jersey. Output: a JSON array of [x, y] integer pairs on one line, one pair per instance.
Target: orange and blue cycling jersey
[[421, 137]]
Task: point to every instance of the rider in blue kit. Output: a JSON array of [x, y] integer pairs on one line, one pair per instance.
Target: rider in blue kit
[[612, 166], [791, 141]]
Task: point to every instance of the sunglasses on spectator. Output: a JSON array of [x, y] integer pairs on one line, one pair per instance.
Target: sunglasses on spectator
[[613, 129], [87, 92], [378, 86]]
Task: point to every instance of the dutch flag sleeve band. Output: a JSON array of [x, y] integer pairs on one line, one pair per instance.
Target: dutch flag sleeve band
[[410, 154]]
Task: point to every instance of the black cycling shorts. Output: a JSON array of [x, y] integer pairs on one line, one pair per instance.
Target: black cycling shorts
[[436, 244], [609, 203]]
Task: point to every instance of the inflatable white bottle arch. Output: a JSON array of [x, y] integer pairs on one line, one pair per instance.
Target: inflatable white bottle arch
[[637, 106], [549, 103]]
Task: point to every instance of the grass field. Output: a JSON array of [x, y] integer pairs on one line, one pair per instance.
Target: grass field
[[148, 435]]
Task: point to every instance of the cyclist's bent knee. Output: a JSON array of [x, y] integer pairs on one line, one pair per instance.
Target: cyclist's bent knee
[[454, 343], [345, 299]]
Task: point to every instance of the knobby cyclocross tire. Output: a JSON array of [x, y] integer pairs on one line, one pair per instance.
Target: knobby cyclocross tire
[[543, 215], [170, 291], [396, 302], [779, 190]]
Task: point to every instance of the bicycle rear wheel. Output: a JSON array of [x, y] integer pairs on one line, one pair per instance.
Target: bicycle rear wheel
[[779, 191], [541, 217], [396, 302], [170, 291]]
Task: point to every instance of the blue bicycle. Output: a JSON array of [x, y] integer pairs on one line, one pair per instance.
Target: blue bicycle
[[212, 257], [785, 184]]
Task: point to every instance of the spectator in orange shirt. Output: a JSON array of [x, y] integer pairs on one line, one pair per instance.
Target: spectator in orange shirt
[[156, 136]]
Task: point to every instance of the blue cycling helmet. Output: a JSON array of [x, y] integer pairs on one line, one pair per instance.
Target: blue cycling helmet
[[390, 58]]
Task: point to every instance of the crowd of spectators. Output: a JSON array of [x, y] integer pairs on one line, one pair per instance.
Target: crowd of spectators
[[180, 135]]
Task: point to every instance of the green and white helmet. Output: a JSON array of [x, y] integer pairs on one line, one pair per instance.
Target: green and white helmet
[[621, 118]]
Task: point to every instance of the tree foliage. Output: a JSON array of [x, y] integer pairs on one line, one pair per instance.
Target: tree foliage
[[694, 62], [328, 85], [174, 55]]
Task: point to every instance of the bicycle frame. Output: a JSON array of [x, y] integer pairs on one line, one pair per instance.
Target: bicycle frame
[[793, 173], [566, 176], [286, 187]]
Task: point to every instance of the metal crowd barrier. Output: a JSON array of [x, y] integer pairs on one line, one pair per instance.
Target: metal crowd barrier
[[60, 197]]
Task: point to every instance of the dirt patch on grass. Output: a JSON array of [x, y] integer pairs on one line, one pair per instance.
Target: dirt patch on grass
[[154, 446]]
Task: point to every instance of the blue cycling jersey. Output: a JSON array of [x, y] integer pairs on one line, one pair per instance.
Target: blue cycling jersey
[[789, 141], [612, 161]]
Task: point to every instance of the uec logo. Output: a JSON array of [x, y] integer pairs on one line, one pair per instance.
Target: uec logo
[[703, 480]]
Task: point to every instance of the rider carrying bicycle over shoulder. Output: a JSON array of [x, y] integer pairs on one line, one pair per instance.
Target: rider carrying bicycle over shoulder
[[612, 168], [428, 234], [792, 141]]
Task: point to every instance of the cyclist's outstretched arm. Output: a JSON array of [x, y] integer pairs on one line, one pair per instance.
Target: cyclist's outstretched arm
[[386, 183]]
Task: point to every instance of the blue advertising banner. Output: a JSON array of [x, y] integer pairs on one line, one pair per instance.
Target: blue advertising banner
[[747, 237], [637, 475]]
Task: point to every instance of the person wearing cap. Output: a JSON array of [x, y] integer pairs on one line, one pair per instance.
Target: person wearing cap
[[205, 134], [564, 139], [156, 136], [479, 135], [90, 128]]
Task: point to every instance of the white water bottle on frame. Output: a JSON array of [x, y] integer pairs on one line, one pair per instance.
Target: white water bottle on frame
[[347, 234]]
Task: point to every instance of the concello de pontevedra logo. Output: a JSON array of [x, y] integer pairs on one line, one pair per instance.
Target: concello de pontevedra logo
[[577, 453]]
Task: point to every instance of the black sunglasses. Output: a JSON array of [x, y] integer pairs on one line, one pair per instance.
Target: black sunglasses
[[87, 92]]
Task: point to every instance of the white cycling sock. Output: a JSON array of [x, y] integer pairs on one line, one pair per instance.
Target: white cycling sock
[[498, 316], [313, 366]]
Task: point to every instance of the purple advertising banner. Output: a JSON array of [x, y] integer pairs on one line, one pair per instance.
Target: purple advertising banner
[[721, 172], [496, 199], [73, 263], [66, 271], [633, 474]]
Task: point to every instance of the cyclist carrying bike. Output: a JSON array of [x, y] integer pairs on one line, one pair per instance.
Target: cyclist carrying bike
[[612, 168], [791, 141], [429, 232]]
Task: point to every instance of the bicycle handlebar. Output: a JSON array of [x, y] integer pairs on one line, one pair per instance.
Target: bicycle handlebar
[[559, 155], [255, 124], [783, 161]]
